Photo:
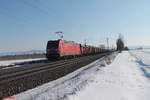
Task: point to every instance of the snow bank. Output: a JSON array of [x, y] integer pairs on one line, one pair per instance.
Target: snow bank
[[122, 80]]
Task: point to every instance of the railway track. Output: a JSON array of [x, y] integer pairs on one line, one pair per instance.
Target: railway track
[[30, 66], [23, 78]]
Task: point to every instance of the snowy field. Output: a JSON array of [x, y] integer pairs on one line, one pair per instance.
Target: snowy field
[[123, 79], [13, 62], [143, 59], [146, 50]]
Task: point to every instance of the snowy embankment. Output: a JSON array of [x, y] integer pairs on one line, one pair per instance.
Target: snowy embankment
[[121, 80], [67, 85], [143, 59], [13, 62]]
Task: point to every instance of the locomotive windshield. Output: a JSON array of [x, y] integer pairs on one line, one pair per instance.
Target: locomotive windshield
[[52, 44]]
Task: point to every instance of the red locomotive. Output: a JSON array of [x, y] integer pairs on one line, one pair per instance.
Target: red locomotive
[[61, 48]]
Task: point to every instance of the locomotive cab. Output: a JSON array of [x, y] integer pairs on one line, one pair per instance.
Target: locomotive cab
[[52, 50]]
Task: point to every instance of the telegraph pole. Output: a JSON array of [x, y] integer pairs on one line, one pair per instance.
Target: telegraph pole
[[107, 40], [85, 41]]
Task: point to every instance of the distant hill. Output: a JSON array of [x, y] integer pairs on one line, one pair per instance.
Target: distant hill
[[22, 52], [137, 47]]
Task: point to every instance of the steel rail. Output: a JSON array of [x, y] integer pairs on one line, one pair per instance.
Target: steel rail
[[6, 78]]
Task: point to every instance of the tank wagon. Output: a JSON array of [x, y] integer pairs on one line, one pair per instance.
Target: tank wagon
[[61, 48]]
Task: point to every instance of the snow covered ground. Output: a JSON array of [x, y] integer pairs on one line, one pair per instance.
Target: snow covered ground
[[146, 50], [142, 56], [13, 62], [143, 59], [121, 80]]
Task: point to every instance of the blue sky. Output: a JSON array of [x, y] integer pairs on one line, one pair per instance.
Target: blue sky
[[29, 24]]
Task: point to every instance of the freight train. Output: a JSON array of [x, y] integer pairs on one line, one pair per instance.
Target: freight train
[[63, 49]]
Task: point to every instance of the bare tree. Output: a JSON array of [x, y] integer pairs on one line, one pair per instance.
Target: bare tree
[[120, 43]]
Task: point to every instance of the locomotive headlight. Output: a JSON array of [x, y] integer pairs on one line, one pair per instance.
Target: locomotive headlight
[[52, 50], [48, 50]]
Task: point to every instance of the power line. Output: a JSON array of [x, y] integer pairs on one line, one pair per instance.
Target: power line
[[34, 6], [41, 10], [4, 12], [52, 10], [107, 39], [12, 17]]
